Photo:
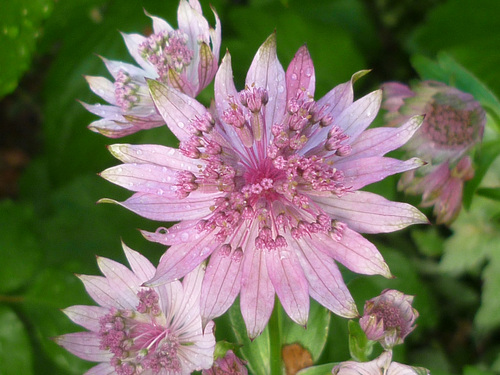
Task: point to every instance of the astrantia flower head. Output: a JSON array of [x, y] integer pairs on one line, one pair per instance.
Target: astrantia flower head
[[382, 365], [185, 58], [453, 124], [230, 364], [266, 184], [140, 330], [389, 318]]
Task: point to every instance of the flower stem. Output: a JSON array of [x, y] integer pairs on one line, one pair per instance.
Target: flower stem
[[275, 339]]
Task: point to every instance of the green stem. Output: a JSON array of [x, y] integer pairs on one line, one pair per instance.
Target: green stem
[[275, 339]]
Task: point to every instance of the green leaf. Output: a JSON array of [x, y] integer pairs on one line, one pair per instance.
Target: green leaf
[[51, 291], [16, 356], [20, 27], [359, 345], [483, 159], [20, 248], [256, 352], [472, 370], [471, 31], [312, 338], [325, 369], [492, 193], [428, 240]]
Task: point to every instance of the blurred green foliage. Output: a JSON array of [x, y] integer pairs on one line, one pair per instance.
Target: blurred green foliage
[[51, 228]]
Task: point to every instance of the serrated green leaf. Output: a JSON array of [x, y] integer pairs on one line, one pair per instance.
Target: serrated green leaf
[[256, 352], [20, 27], [19, 246], [312, 338], [16, 355]]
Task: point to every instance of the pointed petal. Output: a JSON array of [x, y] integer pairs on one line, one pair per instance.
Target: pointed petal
[[100, 291], [379, 141], [183, 258], [300, 74], [112, 129], [176, 108], [206, 67], [221, 284], [192, 22], [326, 284], [102, 369], [86, 316], [109, 112], [366, 212], [133, 41], [84, 345], [115, 66], [267, 72], [182, 232], [365, 171], [140, 265], [159, 24], [160, 155], [124, 282], [353, 251], [290, 283], [156, 207], [145, 178], [359, 115], [215, 36], [182, 83], [102, 87], [257, 292]]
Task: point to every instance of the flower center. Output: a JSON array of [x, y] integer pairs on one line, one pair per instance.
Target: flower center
[[167, 51], [126, 91], [138, 339]]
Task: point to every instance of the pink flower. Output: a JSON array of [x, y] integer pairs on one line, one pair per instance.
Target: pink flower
[[265, 185], [389, 318], [230, 364], [185, 59], [382, 365], [157, 330], [454, 123]]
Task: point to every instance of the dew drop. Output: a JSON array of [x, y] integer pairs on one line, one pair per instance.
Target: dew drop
[[294, 76], [180, 124], [281, 88], [184, 236], [138, 152]]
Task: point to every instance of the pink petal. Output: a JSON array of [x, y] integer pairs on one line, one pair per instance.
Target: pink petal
[[140, 265], [394, 95], [215, 36], [359, 115], [102, 87], [221, 284], [100, 291], [183, 258], [159, 24], [353, 251], [326, 284], [84, 345], [290, 283], [133, 41], [109, 112], [192, 22], [112, 129], [156, 207], [182, 83], [86, 316], [257, 292], [366, 212], [267, 72], [155, 154], [379, 141], [182, 232], [206, 67], [191, 285], [300, 74], [101, 369], [145, 178], [365, 171], [123, 281], [115, 66], [176, 108]]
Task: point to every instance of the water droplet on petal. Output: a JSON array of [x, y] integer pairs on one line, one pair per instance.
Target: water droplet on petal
[[180, 124], [281, 88], [294, 76], [184, 236]]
